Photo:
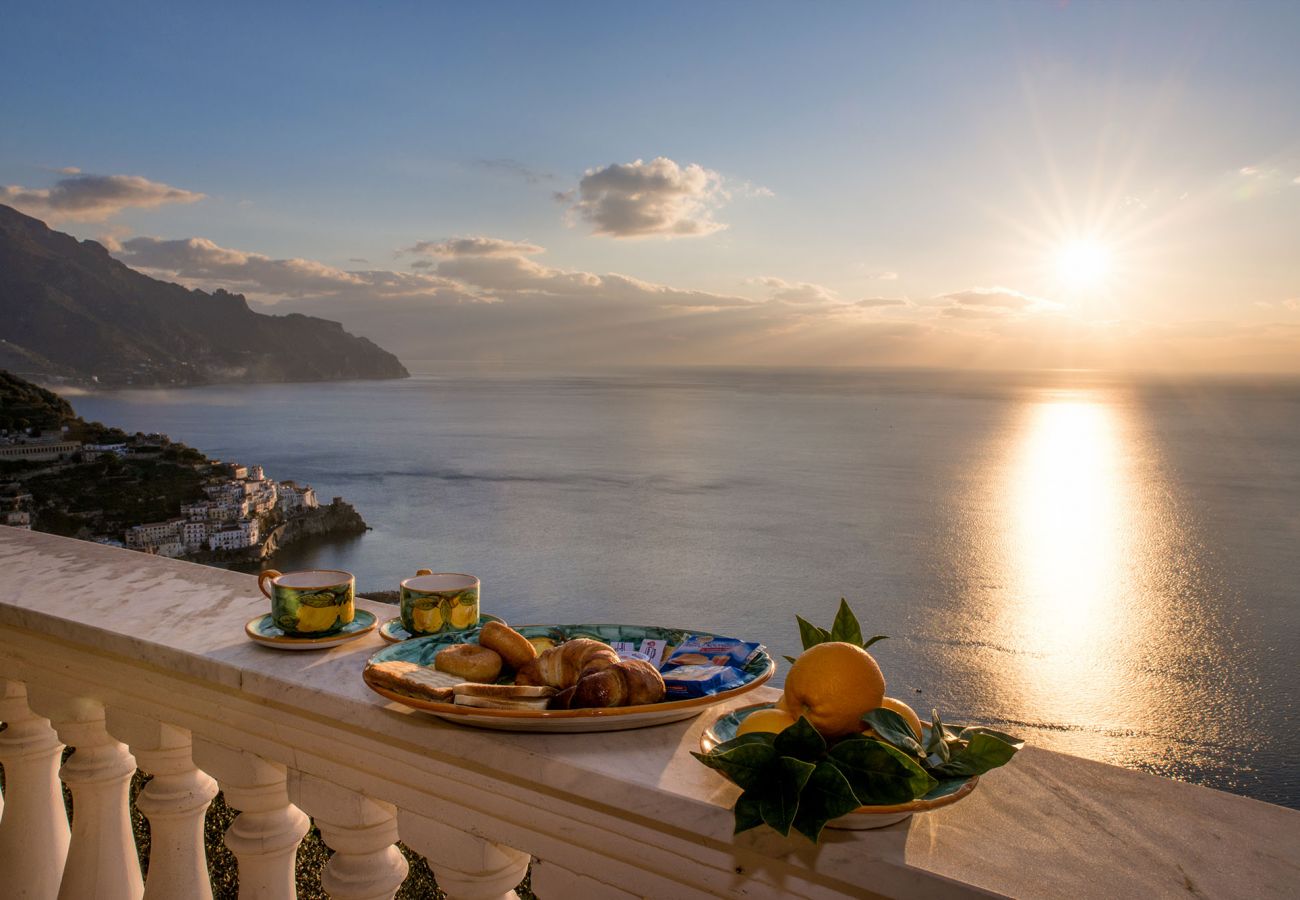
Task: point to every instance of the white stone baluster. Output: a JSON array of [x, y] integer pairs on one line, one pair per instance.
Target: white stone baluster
[[174, 801], [102, 861], [362, 832], [34, 824], [467, 867], [265, 835]]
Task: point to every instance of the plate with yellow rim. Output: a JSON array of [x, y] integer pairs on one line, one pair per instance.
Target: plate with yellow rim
[[394, 631], [263, 630], [422, 651], [863, 818]]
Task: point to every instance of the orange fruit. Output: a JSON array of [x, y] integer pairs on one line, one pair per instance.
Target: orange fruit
[[833, 684], [773, 720], [906, 712]]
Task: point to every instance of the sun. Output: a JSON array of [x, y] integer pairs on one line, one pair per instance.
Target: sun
[[1083, 263]]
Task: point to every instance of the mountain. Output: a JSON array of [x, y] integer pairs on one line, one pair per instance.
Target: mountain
[[69, 310]]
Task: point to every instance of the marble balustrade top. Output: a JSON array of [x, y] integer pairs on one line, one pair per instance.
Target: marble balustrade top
[[1046, 825]]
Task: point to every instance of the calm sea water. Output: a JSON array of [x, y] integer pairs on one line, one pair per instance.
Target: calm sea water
[[1107, 569]]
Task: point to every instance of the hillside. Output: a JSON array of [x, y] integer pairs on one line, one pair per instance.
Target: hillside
[[69, 310], [25, 405]]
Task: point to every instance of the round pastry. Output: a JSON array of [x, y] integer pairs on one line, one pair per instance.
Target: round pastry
[[513, 647], [469, 661]]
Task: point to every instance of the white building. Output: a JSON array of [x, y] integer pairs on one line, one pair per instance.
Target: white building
[[18, 518], [234, 537], [195, 534], [153, 535], [295, 497]]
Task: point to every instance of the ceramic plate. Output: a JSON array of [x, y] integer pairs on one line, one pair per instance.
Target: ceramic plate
[[864, 817], [393, 631], [264, 630], [422, 651]]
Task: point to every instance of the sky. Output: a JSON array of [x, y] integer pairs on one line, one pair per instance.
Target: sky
[[1017, 185]]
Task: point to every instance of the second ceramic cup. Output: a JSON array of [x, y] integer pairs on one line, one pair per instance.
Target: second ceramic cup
[[434, 603]]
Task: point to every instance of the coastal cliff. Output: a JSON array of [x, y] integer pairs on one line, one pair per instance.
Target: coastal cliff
[[71, 312], [338, 519]]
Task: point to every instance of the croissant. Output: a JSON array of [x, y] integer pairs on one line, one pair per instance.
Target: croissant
[[629, 682], [561, 667]]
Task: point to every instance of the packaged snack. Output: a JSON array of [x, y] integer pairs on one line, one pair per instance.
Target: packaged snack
[[685, 681], [707, 650]]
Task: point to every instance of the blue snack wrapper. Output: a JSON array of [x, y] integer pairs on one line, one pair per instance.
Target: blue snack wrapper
[[707, 650], [685, 681]]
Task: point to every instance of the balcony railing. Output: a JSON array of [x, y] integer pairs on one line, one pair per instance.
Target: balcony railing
[[142, 662]]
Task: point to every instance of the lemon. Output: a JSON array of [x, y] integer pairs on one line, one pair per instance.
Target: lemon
[[316, 618], [898, 706], [427, 620], [772, 720], [347, 612], [464, 616], [833, 684]]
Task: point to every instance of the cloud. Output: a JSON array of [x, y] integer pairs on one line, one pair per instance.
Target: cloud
[[520, 279], [996, 297], [797, 292], [873, 302], [93, 198], [200, 262], [475, 245], [964, 312], [888, 276], [641, 199], [1249, 171]]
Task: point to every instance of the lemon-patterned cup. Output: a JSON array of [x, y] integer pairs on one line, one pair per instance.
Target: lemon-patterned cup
[[312, 602], [437, 603]]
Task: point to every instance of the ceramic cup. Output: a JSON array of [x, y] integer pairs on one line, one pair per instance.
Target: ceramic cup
[[310, 602], [437, 603]]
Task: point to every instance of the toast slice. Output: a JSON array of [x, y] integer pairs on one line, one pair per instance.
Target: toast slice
[[414, 680]]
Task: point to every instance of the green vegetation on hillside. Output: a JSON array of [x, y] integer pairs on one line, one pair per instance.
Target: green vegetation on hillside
[[25, 405]]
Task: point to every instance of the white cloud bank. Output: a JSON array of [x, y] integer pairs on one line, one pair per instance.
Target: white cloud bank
[[93, 198], [477, 301]]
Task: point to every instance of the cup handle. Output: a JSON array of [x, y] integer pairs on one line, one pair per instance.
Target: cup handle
[[420, 572], [263, 578]]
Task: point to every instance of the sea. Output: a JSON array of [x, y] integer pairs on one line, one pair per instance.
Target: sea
[[1104, 566]]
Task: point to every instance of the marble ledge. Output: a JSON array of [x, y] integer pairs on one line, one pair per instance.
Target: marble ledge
[[1047, 825]]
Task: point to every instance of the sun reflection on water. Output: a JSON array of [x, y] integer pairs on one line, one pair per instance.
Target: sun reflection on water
[[1071, 557]]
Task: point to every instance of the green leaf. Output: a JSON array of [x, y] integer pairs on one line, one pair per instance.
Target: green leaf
[[936, 744], [982, 753], [845, 627], [746, 760], [779, 802], [810, 634], [827, 795], [893, 729], [880, 774], [801, 740], [879, 637], [972, 730], [747, 811]]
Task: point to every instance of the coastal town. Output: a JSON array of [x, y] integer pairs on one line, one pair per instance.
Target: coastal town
[[144, 491]]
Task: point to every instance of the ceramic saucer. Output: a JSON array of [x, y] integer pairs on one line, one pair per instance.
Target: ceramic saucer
[[393, 631], [264, 630]]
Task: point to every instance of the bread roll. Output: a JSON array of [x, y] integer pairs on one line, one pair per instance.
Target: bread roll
[[469, 661], [513, 647]]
